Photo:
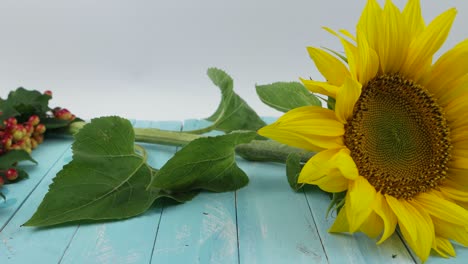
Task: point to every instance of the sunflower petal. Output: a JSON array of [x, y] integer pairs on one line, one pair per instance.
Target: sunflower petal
[[341, 222], [309, 127], [415, 225], [351, 52], [345, 164], [372, 226], [326, 170], [388, 216], [346, 98], [367, 62], [330, 67], [441, 208], [444, 248], [423, 47], [449, 68], [370, 24], [413, 17], [359, 199], [320, 87], [450, 231]]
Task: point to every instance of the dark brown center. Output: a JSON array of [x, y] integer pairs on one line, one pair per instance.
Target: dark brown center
[[399, 137]]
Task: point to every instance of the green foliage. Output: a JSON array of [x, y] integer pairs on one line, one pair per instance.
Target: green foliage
[[10, 158], [284, 96], [293, 169], [233, 113], [109, 178], [24, 103], [206, 163], [331, 103], [337, 202]]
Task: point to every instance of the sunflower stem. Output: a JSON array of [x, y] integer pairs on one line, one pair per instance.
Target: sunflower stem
[[256, 150]]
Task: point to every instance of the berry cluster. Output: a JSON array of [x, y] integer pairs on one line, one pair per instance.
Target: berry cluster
[[26, 136], [9, 175]]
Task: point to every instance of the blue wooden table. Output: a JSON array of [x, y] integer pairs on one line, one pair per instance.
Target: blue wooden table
[[265, 222]]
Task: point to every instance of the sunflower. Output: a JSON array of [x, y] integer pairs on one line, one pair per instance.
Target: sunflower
[[397, 139]]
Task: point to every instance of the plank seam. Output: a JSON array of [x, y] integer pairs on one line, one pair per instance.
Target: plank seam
[[411, 253], [69, 243], [33, 189], [237, 228], [316, 228], [162, 209]]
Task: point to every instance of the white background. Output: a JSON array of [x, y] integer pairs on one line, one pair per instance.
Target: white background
[[147, 59]]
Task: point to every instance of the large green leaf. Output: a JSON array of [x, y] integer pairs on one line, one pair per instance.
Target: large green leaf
[[284, 96], [106, 179], [233, 113], [206, 163]]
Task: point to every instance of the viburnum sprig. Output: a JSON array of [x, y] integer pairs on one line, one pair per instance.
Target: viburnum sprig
[[24, 119]]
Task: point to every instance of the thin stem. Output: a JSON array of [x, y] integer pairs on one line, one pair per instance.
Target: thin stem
[[256, 150]]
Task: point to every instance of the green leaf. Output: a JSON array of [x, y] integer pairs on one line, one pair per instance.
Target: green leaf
[[11, 157], [337, 202], [284, 96], [293, 169], [6, 112], [106, 179], [26, 103], [331, 103], [54, 123], [206, 163], [233, 113]]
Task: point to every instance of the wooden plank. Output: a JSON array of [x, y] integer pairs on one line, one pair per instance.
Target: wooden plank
[[200, 231], [127, 241], [29, 245], [275, 224], [46, 155]]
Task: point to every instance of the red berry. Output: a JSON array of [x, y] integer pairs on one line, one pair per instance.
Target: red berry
[[34, 120], [40, 129], [48, 92], [11, 174]]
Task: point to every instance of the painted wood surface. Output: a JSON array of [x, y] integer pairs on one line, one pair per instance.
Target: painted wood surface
[[265, 222]]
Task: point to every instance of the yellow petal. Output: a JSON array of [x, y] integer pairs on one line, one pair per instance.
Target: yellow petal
[[372, 226], [413, 17], [351, 52], [370, 24], [423, 47], [347, 33], [450, 91], [367, 62], [320, 87], [385, 212], [415, 225], [444, 248], [441, 208], [341, 222], [450, 67], [454, 194], [309, 127], [457, 108], [450, 231], [359, 199], [330, 67], [328, 168], [346, 99], [393, 46]]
